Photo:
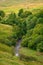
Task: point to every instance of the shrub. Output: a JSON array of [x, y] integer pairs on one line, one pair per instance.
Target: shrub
[[40, 46], [2, 14], [38, 29], [25, 42]]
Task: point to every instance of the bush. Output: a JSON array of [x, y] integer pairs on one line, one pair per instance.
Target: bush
[[25, 42], [31, 23], [2, 14], [24, 14], [38, 29], [34, 41], [40, 14], [20, 12], [40, 46], [10, 19], [40, 20]]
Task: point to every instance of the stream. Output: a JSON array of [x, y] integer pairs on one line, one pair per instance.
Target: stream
[[17, 47]]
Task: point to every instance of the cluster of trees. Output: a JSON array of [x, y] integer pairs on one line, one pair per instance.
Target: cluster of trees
[[34, 36], [26, 26]]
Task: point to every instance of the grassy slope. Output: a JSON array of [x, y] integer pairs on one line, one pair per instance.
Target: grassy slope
[[15, 5], [5, 31], [36, 56], [6, 57], [27, 6], [15, 2]]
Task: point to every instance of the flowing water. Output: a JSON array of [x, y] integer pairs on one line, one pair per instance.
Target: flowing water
[[18, 45]]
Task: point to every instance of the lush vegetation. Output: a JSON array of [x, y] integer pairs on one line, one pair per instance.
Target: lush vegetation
[[26, 26]]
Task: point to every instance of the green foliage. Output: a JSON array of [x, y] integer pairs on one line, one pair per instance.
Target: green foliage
[[33, 37], [24, 14], [35, 40], [5, 34], [15, 31], [25, 42], [20, 12], [40, 14], [34, 34], [10, 19], [40, 46], [31, 22], [26, 26], [38, 29], [2, 14], [40, 20]]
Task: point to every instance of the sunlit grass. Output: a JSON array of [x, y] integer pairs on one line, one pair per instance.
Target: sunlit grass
[[5, 48], [31, 53], [6, 57], [28, 6], [5, 31]]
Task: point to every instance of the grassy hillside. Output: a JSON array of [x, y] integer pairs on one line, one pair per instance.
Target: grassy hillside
[[15, 5], [15, 2], [33, 55], [6, 57], [5, 30], [16, 8], [5, 48], [5, 33]]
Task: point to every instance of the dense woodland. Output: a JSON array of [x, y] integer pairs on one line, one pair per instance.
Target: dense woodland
[[27, 26]]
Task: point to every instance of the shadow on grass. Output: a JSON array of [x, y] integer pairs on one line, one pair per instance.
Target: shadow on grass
[[28, 58]]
